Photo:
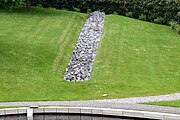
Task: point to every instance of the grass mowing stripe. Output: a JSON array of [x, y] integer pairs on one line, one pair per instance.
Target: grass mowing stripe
[[134, 58], [66, 54], [62, 41], [130, 60]]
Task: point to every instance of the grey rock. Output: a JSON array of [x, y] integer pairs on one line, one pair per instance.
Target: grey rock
[[81, 63]]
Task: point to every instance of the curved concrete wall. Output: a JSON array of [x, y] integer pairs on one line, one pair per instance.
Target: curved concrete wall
[[92, 111]]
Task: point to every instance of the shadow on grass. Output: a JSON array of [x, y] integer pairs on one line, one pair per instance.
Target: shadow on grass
[[39, 11]]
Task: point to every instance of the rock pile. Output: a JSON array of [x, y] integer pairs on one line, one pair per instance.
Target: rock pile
[[81, 63]]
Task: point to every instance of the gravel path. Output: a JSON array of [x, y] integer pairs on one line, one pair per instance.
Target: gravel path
[[167, 97], [124, 103]]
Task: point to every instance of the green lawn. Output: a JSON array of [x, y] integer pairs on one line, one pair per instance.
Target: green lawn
[[4, 107], [134, 58], [137, 58], [175, 103]]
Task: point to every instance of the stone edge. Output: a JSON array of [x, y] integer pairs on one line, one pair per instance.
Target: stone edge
[[93, 111]]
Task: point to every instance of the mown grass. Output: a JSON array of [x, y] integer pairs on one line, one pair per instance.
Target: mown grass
[[134, 58], [175, 103], [137, 58], [5, 107]]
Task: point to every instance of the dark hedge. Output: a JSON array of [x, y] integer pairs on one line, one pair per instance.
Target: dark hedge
[[159, 11]]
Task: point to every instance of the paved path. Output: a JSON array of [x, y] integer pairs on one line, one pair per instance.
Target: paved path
[[124, 103], [167, 97]]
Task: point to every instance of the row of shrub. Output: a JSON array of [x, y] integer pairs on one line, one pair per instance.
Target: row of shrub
[[175, 26], [10, 4], [159, 11]]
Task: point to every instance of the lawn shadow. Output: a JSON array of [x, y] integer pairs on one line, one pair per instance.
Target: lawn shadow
[[38, 11]]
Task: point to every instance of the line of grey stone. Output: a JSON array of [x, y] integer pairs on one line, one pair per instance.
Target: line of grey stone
[[113, 103], [81, 63]]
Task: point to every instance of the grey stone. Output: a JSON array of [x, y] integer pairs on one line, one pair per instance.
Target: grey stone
[[83, 56], [11, 111], [39, 110], [50, 110], [62, 110], [74, 110], [2, 112]]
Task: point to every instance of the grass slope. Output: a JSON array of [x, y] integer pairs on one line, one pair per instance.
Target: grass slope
[[134, 58], [175, 103], [35, 49], [137, 58]]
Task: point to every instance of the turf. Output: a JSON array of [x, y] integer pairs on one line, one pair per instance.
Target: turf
[[175, 103], [137, 58], [134, 58], [5, 107]]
